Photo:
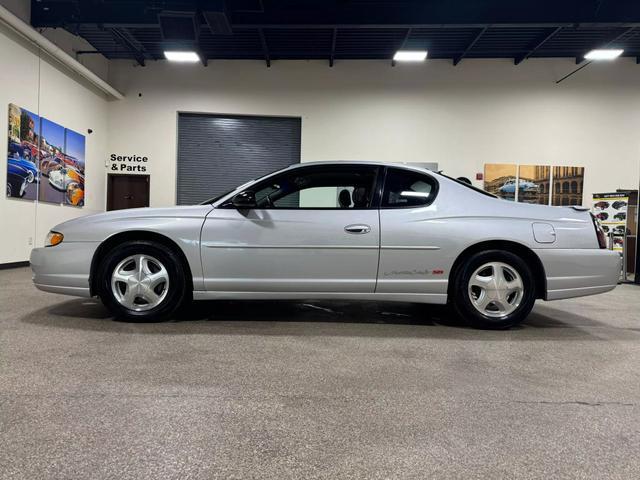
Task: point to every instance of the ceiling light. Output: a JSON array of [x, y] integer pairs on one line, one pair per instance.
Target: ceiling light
[[604, 54], [410, 55], [185, 56]]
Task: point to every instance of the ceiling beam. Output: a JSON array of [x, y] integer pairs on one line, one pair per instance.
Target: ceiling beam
[[333, 46], [541, 41], [475, 39], [265, 48], [122, 40], [404, 41]]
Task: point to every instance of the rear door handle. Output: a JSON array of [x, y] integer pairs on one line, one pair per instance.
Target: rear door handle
[[357, 229]]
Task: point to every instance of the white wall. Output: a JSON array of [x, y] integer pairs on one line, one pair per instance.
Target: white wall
[[461, 117], [52, 92], [72, 44]]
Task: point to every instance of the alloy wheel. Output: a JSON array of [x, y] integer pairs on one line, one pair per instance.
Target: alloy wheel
[[496, 289], [140, 282]]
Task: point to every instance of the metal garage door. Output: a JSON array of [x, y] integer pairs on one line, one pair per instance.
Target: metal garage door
[[219, 152]]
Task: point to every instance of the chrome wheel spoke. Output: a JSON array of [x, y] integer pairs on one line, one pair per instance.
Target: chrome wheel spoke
[[122, 276], [155, 279]]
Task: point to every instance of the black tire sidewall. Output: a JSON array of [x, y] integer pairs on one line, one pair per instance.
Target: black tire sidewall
[[462, 302], [177, 284]]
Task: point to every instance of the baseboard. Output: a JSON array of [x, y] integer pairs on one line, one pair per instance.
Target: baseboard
[[4, 266]]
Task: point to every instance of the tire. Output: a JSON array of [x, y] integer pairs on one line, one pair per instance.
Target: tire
[[161, 292], [489, 300]]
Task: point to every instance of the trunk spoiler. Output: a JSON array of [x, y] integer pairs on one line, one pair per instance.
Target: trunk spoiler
[[580, 208]]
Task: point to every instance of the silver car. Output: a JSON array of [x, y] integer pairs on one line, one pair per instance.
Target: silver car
[[339, 230]]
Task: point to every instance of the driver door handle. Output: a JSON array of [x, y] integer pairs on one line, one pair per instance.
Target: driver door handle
[[357, 229]]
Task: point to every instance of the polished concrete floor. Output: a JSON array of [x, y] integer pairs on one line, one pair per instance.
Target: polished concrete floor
[[316, 390]]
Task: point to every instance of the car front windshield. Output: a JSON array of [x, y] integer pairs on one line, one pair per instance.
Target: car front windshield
[[222, 195]]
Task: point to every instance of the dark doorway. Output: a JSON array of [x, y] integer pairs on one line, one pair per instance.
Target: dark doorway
[[127, 191]]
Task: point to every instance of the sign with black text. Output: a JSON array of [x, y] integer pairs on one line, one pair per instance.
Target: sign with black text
[[128, 163]]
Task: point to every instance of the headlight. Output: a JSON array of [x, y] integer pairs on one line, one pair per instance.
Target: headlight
[[53, 239]]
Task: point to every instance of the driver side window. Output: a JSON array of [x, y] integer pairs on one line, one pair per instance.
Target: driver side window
[[326, 187]]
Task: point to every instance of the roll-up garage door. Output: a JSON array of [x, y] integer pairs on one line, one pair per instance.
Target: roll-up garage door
[[219, 152]]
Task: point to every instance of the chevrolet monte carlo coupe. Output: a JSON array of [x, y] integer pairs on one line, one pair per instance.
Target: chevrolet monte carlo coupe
[[338, 230]]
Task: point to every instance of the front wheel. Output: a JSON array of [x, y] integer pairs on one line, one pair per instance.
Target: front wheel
[[141, 281], [493, 289]]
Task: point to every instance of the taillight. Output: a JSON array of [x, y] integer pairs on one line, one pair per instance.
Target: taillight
[[602, 237]]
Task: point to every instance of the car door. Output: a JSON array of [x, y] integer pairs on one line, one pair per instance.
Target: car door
[[411, 243], [314, 229]]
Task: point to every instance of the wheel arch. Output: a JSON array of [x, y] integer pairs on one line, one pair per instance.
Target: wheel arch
[[132, 235], [510, 246]]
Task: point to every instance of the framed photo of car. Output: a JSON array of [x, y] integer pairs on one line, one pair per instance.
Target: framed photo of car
[[23, 173]]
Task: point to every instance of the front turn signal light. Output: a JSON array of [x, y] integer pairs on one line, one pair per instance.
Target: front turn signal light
[[53, 239]]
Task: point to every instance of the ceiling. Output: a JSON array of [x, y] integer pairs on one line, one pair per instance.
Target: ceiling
[[336, 30]]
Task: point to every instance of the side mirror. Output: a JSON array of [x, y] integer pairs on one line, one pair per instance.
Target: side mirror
[[244, 200]]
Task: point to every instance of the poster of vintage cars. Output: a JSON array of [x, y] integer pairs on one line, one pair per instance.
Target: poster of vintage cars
[[541, 184], [46, 161], [22, 154], [611, 210], [500, 179], [533, 184]]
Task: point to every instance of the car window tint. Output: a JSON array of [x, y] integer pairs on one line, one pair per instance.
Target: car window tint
[[332, 186], [404, 188]]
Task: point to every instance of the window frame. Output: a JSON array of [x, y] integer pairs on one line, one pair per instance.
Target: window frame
[[432, 179], [373, 204]]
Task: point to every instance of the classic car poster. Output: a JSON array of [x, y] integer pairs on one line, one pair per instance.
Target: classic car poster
[[500, 179], [534, 184], [539, 184], [22, 153], [567, 185], [45, 160], [52, 186], [611, 210], [74, 168]]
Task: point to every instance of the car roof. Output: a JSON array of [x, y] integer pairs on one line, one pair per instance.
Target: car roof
[[407, 166]]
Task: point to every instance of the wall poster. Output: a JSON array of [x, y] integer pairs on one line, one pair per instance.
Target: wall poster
[[534, 184], [23, 153], [611, 210], [46, 161], [540, 184], [500, 179], [567, 185]]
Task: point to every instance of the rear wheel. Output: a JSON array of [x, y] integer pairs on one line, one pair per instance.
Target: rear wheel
[[493, 289], [142, 281]]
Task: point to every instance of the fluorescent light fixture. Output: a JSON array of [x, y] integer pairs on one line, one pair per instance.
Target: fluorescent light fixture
[[604, 54], [410, 55], [181, 56]]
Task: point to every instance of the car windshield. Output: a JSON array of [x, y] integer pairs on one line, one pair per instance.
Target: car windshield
[[218, 197], [476, 189]]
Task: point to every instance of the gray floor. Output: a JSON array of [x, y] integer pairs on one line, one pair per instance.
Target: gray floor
[[316, 390]]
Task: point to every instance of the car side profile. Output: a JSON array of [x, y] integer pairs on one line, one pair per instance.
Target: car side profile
[[339, 230]]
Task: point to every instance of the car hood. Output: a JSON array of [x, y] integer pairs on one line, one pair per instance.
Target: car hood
[[103, 224]]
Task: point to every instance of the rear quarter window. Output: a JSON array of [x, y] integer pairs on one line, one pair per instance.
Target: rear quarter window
[[406, 188]]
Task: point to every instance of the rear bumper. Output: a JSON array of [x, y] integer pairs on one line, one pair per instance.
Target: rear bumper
[[579, 272], [64, 268]]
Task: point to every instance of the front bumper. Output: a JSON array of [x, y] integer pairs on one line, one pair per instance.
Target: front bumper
[[64, 268], [579, 272]]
